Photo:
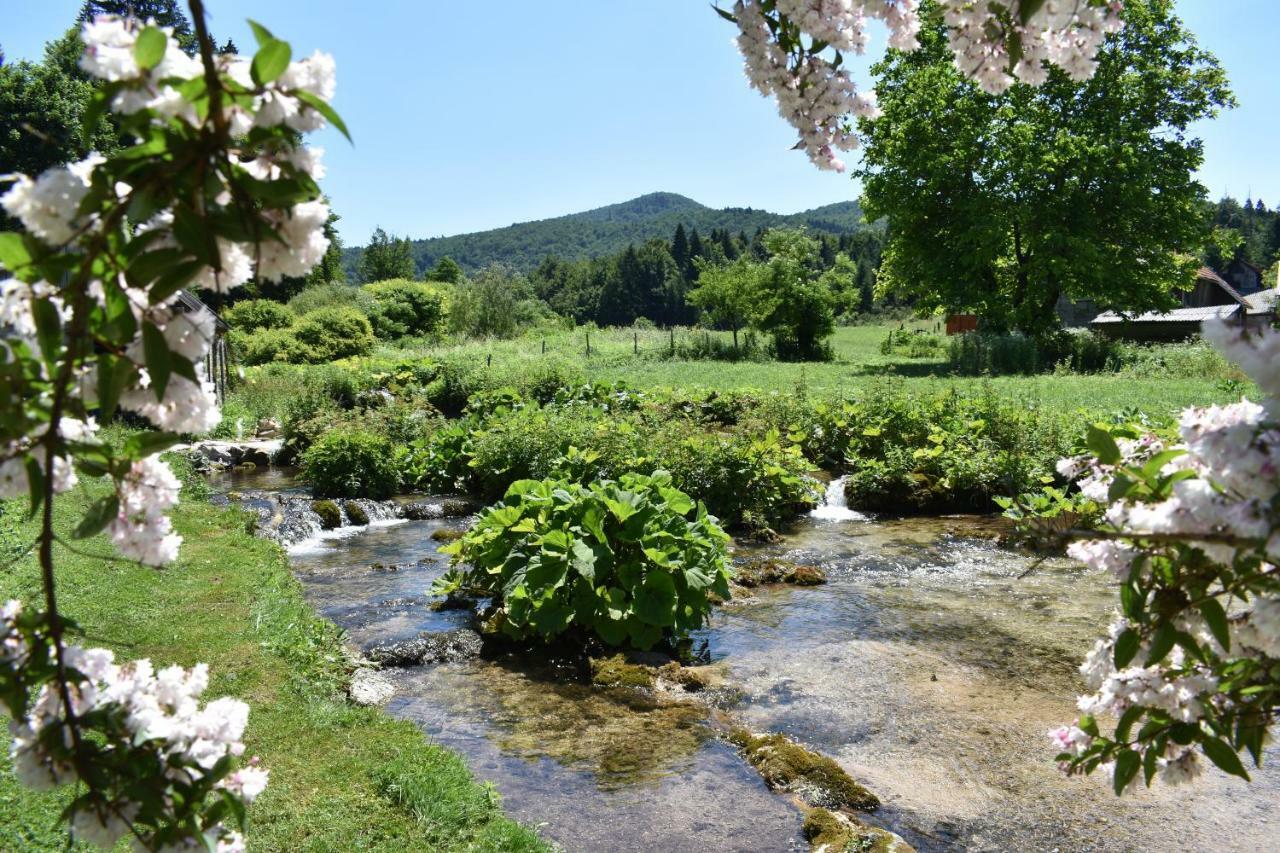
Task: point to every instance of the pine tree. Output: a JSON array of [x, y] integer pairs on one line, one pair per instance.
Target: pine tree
[[696, 248], [680, 252], [166, 13], [385, 258], [446, 269]]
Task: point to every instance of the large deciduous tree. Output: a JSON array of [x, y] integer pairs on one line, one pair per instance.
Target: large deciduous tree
[[1000, 204]]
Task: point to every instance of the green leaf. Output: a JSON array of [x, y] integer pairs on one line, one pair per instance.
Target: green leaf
[[1100, 441], [14, 254], [98, 516], [1225, 757], [148, 443], [173, 281], [726, 15], [1216, 617], [148, 266], [113, 375], [148, 50], [156, 352], [1161, 643], [48, 328], [1027, 10], [1126, 647], [1127, 720], [1150, 764], [584, 560], [261, 33], [321, 106], [655, 599], [270, 61], [1128, 763]]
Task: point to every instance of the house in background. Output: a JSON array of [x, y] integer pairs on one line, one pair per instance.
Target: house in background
[[1243, 300]]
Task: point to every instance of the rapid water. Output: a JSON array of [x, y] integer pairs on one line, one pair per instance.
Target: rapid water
[[925, 666], [835, 505]]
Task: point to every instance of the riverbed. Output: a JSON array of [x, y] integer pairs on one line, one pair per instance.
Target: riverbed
[[928, 666]]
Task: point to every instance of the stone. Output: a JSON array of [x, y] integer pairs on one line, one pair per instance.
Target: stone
[[420, 511], [267, 428], [256, 456], [370, 687], [330, 515], [815, 778], [617, 672], [835, 832], [428, 647], [355, 513], [753, 573], [447, 534]]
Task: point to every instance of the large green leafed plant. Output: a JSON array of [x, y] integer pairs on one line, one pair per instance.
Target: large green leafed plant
[[628, 561]]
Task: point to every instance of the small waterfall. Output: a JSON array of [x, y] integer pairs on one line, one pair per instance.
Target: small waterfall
[[835, 507], [294, 524], [239, 429]]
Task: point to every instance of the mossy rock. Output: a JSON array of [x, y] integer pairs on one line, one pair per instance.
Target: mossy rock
[[693, 679], [830, 832], [755, 573], [355, 513], [330, 515], [819, 780], [447, 534], [617, 672], [456, 507]]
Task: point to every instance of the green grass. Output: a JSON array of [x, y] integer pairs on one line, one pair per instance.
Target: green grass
[[342, 777], [639, 357]]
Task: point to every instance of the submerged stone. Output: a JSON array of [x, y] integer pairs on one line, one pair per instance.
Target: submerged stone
[[833, 832], [755, 573], [817, 779], [428, 647], [370, 687], [617, 672], [447, 534]]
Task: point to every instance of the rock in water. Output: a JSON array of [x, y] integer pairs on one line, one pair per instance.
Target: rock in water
[[830, 832], [815, 778], [370, 687], [428, 647]]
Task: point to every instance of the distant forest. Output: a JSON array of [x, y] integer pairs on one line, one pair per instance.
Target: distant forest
[[609, 230]]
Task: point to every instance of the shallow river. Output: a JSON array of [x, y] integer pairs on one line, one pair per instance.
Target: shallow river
[[925, 666]]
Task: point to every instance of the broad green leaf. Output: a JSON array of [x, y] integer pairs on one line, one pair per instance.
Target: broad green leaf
[[584, 560], [156, 352], [270, 61], [322, 106], [261, 33], [1221, 754], [1161, 643], [14, 253], [1100, 441], [48, 328], [148, 50], [143, 444], [1126, 647], [99, 515], [1216, 617], [655, 599], [1128, 763]]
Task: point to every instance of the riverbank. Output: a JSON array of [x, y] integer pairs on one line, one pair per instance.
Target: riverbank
[[342, 777]]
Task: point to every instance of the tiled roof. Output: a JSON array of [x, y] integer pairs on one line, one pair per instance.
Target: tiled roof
[[1177, 315], [1262, 301]]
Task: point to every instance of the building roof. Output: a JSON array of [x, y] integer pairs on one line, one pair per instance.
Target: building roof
[[1206, 274], [1177, 315], [1262, 302], [191, 303]]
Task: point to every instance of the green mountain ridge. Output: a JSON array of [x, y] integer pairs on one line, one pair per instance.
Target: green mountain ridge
[[610, 229]]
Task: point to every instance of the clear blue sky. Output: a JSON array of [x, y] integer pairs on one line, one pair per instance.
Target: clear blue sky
[[469, 116]]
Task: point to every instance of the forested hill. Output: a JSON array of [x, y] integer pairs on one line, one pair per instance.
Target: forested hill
[[609, 230]]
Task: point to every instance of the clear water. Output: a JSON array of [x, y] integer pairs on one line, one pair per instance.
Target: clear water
[[926, 667]]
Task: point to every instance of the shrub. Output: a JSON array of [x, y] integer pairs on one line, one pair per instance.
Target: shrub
[[401, 308], [258, 314], [628, 562], [350, 464], [265, 346], [333, 333], [331, 296]]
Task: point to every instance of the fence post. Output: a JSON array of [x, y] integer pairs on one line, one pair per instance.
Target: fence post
[[588, 334], [544, 346], [635, 342], [488, 360], [673, 341]]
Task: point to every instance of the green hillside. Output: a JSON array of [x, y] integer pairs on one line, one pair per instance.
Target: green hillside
[[608, 230]]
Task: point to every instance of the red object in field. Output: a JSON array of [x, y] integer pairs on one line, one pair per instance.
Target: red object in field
[[958, 324]]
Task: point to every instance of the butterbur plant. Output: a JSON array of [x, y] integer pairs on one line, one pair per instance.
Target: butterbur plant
[[216, 189], [627, 562], [1190, 669]]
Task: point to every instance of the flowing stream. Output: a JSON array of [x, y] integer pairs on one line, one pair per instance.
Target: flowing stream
[[925, 666]]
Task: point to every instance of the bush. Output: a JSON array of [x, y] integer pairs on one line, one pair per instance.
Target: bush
[[258, 314], [270, 345], [402, 308], [331, 296], [628, 562], [350, 464], [333, 333]]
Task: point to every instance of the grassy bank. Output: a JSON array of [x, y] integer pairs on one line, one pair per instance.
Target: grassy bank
[[342, 777]]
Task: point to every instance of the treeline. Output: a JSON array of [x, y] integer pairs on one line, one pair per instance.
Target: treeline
[[1243, 232], [655, 279]]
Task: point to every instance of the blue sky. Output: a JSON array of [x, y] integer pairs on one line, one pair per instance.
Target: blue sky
[[469, 116]]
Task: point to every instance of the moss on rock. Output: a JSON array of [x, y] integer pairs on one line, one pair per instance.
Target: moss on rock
[[355, 513], [617, 672], [819, 780], [831, 832], [447, 534], [755, 573], [330, 515]]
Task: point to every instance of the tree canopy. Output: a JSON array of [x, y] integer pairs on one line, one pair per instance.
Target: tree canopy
[[1000, 204], [386, 257]]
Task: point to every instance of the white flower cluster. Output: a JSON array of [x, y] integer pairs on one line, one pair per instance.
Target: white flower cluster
[[816, 96], [1229, 465], [157, 710], [1065, 33], [141, 531]]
